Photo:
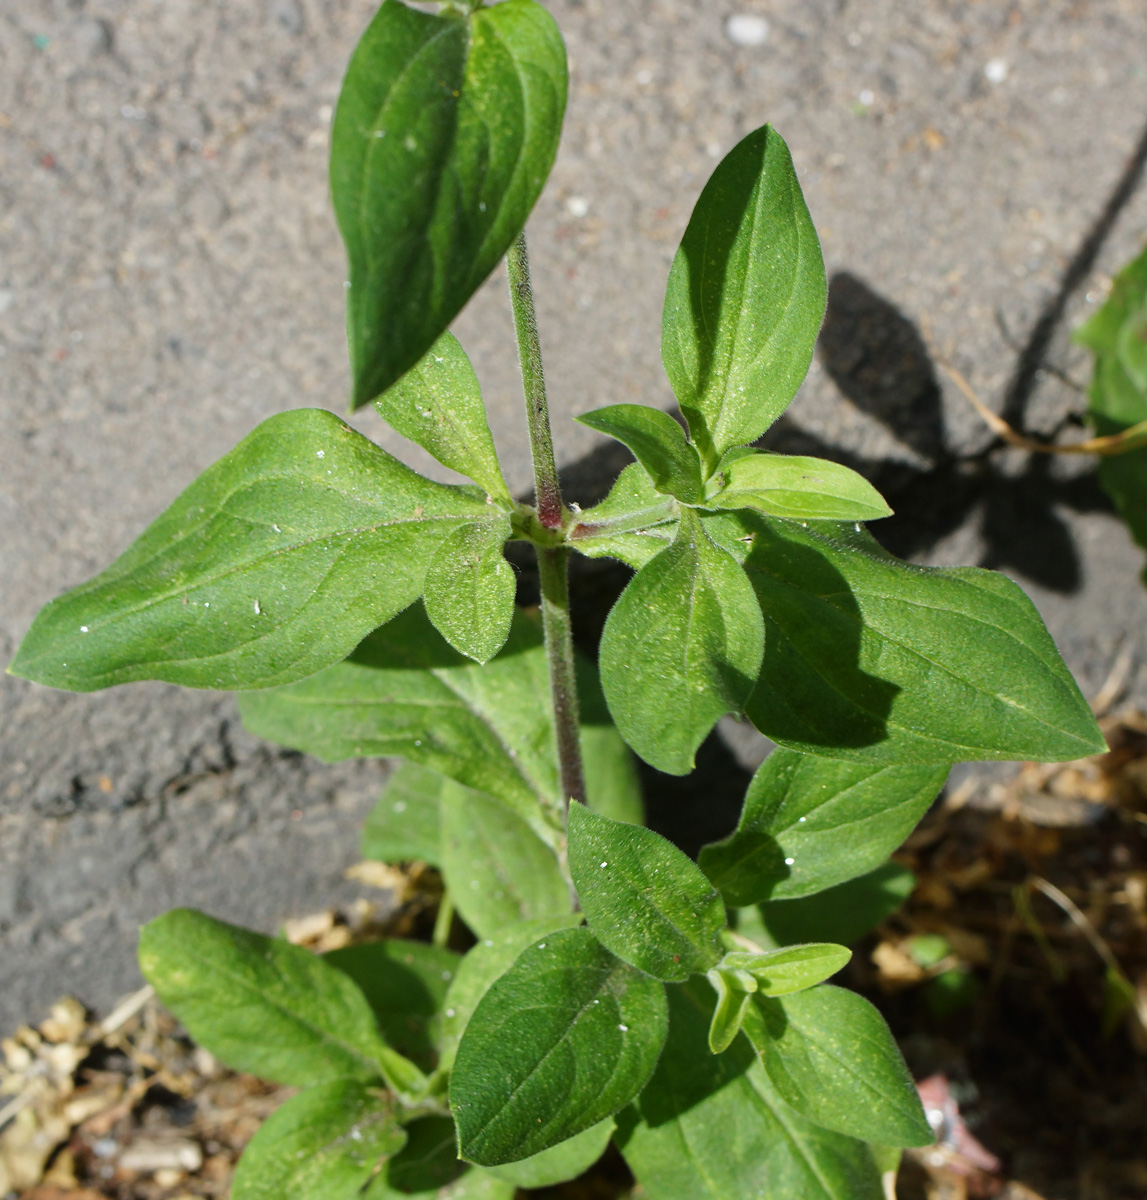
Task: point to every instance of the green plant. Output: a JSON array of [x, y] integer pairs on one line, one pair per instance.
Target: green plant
[[1117, 399], [617, 989]]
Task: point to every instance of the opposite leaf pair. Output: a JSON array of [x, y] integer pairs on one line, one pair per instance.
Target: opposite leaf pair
[[574, 1029]]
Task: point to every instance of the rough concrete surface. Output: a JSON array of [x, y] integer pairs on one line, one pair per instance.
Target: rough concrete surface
[[170, 275]]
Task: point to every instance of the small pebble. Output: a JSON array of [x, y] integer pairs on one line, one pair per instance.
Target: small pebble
[[577, 206], [996, 70], [747, 29]]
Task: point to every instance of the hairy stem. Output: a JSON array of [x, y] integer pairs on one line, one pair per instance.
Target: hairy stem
[[553, 567], [547, 493], [553, 561]]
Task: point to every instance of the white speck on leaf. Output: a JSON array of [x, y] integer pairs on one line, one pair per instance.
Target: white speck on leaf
[[320, 454], [83, 629], [624, 1028], [789, 862], [258, 610]]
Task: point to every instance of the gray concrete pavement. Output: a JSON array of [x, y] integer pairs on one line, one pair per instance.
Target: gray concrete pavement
[[170, 275]]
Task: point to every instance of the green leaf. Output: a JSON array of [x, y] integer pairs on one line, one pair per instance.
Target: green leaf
[[782, 972], [745, 298], [1131, 348], [566, 1160], [658, 443], [830, 1055], [259, 1004], [428, 1162], [405, 824], [322, 1144], [1101, 333], [844, 913], [438, 404], [485, 963], [808, 823], [405, 984], [633, 523], [406, 692], [428, 1168], [1117, 397], [710, 1127], [644, 900], [470, 588], [273, 564], [499, 871], [680, 648], [875, 660], [732, 1003], [445, 132], [477, 1184], [811, 489], [612, 784], [540, 1061]]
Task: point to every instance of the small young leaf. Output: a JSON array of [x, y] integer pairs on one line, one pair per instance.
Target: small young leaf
[[445, 132], [808, 823], [844, 913], [566, 1160], [710, 1127], [781, 972], [567, 1037], [272, 565], [469, 590], [745, 298], [643, 898], [322, 1144], [658, 443], [680, 648], [633, 523], [485, 963], [875, 660], [405, 824], [405, 984], [259, 1004], [729, 1013], [830, 1055], [438, 404], [499, 870], [808, 489]]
